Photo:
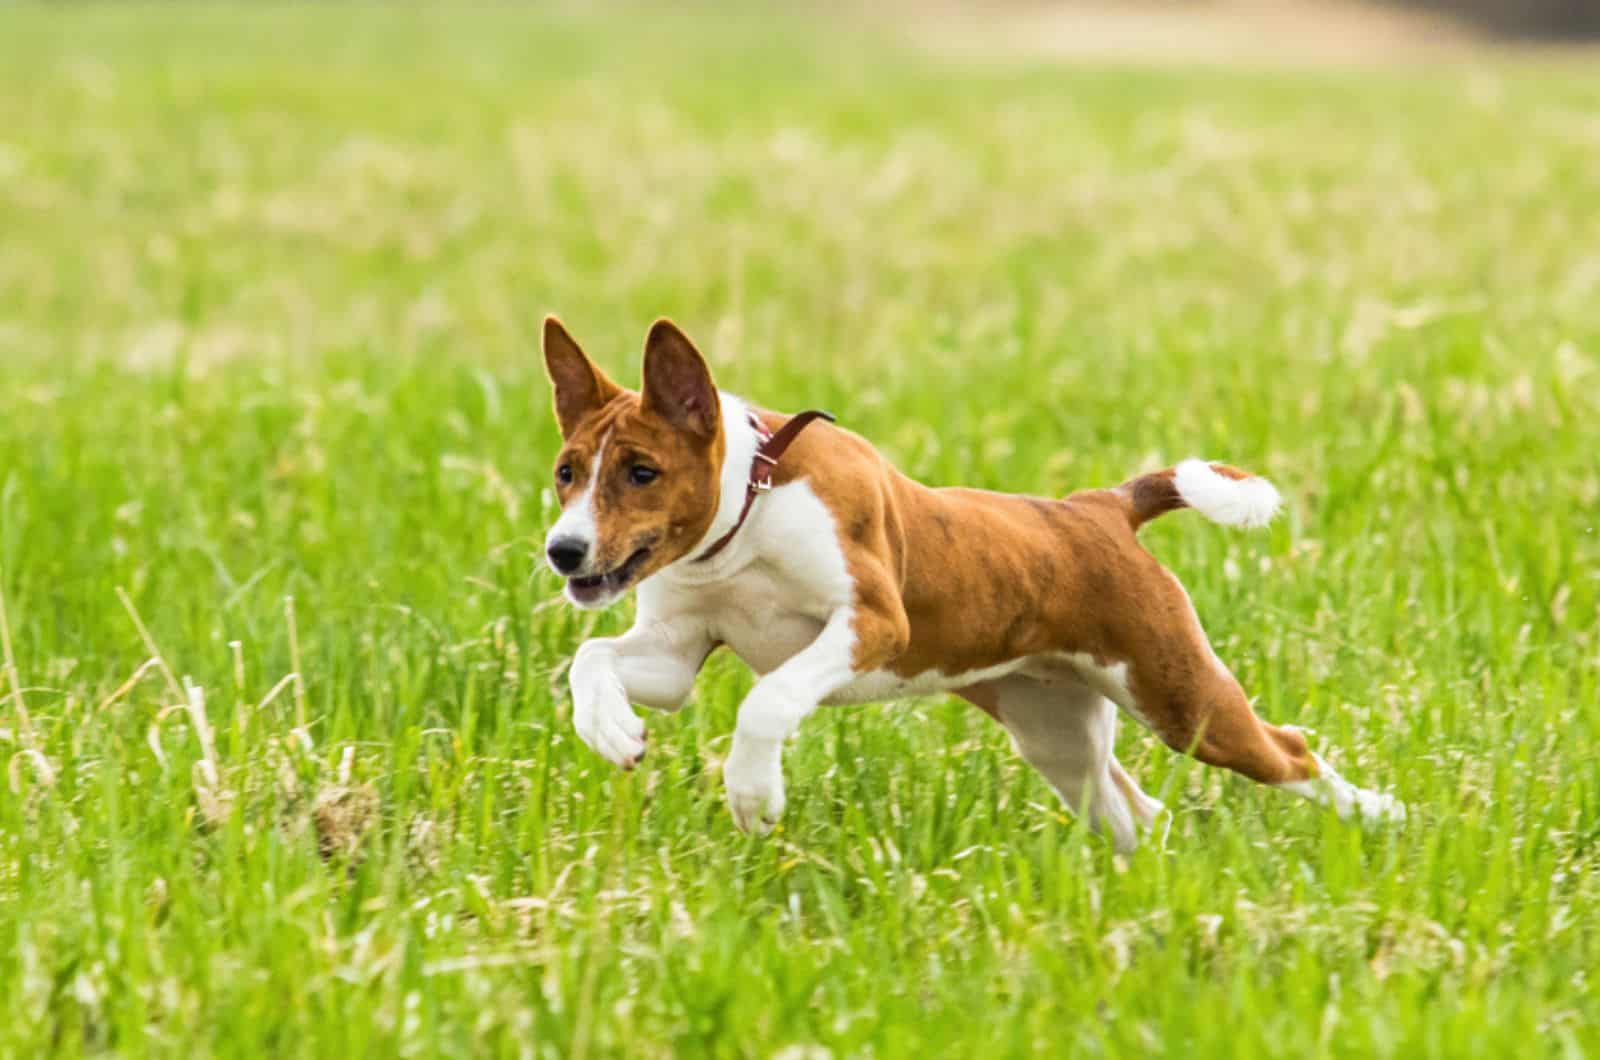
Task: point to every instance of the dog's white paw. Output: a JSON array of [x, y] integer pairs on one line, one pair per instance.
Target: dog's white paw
[[754, 780], [1362, 804], [613, 731], [1349, 801], [1376, 807], [600, 710]]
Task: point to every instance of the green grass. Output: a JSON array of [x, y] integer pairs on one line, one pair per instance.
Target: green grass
[[270, 286]]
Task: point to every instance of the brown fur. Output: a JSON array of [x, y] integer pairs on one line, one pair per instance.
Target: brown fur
[[952, 580], [958, 580], [672, 426]]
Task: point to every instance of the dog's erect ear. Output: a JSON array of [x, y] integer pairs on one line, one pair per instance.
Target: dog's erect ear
[[677, 383], [580, 387]]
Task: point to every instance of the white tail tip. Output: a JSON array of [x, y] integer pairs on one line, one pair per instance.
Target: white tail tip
[[1249, 502]]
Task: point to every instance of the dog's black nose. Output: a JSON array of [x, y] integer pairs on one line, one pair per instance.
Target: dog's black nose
[[566, 554]]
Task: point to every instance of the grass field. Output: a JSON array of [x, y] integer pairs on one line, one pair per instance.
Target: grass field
[[270, 287]]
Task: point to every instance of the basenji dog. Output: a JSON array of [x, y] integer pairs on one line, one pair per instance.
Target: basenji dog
[[838, 579]]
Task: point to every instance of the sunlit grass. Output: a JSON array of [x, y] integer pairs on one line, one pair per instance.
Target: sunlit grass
[[269, 294]]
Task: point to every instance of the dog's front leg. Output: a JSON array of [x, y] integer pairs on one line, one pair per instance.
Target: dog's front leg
[[654, 663], [777, 705]]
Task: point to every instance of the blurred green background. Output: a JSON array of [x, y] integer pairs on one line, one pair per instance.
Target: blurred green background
[[270, 286]]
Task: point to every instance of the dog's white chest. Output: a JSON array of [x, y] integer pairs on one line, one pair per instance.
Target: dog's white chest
[[773, 606], [762, 617]]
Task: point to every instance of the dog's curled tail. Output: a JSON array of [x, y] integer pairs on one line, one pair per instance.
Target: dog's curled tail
[[1219, 492]]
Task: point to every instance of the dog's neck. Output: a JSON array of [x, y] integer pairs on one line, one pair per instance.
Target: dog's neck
[[739, 451]]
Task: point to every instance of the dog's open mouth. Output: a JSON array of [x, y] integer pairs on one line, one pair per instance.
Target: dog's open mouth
[[598, 587]]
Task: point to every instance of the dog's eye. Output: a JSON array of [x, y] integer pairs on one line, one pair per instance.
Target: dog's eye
[[640, 475], [564, 474]]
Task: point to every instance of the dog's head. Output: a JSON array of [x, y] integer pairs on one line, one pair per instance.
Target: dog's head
[[638, 472]]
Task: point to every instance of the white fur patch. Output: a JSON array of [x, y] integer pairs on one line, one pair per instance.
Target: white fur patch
[[739, 449], [577, 520], [769, 715], [1110, 680], [874, 686], [1328, 788], [1068, 732], [782, 576], [1247, 502]]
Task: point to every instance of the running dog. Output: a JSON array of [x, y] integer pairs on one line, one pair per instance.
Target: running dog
[[840, 580]]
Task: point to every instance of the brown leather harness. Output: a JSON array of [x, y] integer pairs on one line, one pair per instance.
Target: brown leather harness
[[768, 453]]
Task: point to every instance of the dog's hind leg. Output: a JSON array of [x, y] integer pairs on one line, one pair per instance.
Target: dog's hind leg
[[1067, 731], [1217, 726], [1188, 697]]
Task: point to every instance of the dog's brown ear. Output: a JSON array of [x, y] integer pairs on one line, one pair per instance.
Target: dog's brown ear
[[580, 386], [677, 383]]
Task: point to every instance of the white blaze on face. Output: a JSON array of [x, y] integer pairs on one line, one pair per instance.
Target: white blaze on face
[[577, 522]]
